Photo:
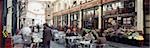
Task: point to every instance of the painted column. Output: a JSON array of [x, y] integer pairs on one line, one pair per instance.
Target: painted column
[[140, 15], [61, 20], [68, 19], [4, 17], [99, 17], [18, 14], [80, 19], [9, 16], [14, 16], [51, 20]]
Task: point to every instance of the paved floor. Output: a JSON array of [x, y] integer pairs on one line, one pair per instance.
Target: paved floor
[[109, 45]]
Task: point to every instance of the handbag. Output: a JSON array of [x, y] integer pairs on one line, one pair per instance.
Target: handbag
[[101, 40]]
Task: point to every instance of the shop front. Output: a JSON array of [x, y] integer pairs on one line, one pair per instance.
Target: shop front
[[120, 23]]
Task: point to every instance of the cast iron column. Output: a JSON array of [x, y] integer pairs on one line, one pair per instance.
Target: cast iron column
[[14, 16]]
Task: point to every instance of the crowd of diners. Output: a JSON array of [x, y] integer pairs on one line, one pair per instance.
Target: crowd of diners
[[96, 36]]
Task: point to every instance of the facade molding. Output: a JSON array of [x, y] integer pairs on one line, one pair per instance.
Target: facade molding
[[78, 8]]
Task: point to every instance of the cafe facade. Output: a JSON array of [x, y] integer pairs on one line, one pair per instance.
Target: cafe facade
[[121, 20]]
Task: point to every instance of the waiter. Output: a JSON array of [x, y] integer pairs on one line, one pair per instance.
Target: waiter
[[47, 36]]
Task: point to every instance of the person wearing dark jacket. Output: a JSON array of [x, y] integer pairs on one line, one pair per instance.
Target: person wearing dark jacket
[[101, 39], [47, 36]]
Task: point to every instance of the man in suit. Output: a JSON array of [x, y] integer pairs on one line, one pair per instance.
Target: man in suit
[[47, 36]]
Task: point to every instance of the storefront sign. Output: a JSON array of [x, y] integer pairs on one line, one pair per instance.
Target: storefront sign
[[77, 8], [107, 1]]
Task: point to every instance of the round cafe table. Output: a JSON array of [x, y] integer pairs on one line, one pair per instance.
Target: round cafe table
[[73, 40], [86, 43]]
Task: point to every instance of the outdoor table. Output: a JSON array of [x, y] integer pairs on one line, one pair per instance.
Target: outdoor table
[[72, 38], [37, 38], [54, 31], [86, 43], [59, 37]]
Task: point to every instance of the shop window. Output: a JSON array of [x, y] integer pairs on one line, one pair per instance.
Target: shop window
[[128, 21], [55, 20], [74, 19], [119, 19], [58, 20], [71, 19], [89, 20], [65, 20]]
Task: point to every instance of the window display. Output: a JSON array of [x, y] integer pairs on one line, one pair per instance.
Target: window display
[[120, 27]]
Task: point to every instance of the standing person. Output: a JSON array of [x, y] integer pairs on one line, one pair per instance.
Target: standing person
[[26, 35], [101, 39], [38, 28], [47, 36]]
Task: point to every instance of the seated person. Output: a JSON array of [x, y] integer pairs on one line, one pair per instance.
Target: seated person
[[89, 36], [101, 39], [82, 32], [70, 33]]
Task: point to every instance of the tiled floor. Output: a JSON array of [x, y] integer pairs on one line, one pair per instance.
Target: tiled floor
[[109, 45]]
